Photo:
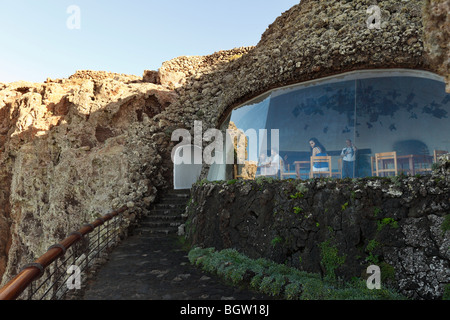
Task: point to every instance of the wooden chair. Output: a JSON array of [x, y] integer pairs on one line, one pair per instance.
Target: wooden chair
[[372, 165], [236, 175], [338, 172], [285, 173], [438, 153], [321, 159], [381, 161]]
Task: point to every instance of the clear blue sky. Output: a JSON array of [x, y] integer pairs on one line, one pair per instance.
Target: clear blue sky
[[123, 36]]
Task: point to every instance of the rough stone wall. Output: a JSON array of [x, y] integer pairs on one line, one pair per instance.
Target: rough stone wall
[[73, 150], [395, 223], [437, 36]]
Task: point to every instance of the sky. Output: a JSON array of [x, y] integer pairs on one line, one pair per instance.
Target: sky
[[55, 38]]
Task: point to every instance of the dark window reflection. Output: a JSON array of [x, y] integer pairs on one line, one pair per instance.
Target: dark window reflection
[[354, 128], [407, 116]]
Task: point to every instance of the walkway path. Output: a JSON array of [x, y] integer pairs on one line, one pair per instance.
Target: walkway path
[[155, 267]]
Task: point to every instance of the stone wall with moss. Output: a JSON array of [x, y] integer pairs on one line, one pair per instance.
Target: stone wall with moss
[[335, 227]]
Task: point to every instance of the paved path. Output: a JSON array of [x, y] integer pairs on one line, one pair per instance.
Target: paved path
[[155, 267]]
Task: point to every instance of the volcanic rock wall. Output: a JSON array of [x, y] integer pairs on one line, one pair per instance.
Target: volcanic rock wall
[[73, 150], [395, 223], [436, 36]]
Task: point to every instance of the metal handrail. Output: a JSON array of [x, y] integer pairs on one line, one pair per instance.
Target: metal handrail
[[33, 271]]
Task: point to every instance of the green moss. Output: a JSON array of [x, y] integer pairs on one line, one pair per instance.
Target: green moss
[[446, 224], [387, 272], [387, 222], [298, 210], [446, 292], [330, 259], [276, 241], [298, 195], [376, 211], [371, 246], [201, 182]]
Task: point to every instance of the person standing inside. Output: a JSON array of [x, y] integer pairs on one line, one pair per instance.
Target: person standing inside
[[348, 155]]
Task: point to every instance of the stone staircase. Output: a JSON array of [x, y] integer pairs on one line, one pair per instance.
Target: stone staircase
[[165, 216]]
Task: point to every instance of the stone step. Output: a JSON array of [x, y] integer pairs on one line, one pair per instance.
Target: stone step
[[160, 230], [162, 215], [169, 206], [172, 200], [179, 193], [161, 223], [165, 212]]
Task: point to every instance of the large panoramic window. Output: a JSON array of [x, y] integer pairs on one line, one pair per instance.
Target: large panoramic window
[[367, 123]]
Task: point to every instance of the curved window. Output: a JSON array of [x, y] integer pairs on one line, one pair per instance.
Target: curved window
[[366, 123]]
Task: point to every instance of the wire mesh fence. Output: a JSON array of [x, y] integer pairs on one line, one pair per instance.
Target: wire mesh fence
[[62, 278]]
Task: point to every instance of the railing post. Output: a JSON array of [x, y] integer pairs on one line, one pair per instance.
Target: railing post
[[98, 242], [56, 274]]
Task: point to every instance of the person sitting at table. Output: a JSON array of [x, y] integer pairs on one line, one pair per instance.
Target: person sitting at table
[[262, 164], [271, 165], [318, 150]]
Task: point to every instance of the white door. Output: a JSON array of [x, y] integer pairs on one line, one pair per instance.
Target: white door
[[185, 171]]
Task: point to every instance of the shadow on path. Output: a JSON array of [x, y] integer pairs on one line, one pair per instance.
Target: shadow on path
[[156, 267]]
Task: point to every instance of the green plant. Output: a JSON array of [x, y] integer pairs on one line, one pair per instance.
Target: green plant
[[376, 211], [231, 182], [446, 223], [298, 210], [344, 206], [276, 241], [293, 290], [298, 195], [330, 259], [280, 280], [387, 222], [397, 180], [262, 179], [446, 295], [387, 272], [201, 182], [301, 187], [371, 246]]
